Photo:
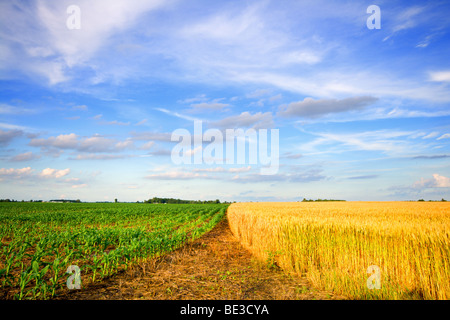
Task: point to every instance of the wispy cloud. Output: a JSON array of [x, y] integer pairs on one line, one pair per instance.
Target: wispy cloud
[[370, 176], [440, 76], [177, 175], [176, 114], [8, 109], [435, 156], [386, 141], [444, 136], [52, 49], [306, 176], [27, 156]]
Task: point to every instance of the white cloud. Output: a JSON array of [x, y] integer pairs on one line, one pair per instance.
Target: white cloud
[[44, 44], [8, 109], [437, 181], [440, 76], [441, 181], [387, 141], [147, 145], [176, 114], [93, 144], [54, 173], [444, 136], [15, 173], [431, 135], [407, 18]]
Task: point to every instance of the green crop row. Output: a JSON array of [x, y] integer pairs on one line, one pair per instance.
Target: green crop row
[[39, 241]]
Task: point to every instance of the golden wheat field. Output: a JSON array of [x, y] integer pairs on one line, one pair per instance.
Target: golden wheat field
[[336, 245]]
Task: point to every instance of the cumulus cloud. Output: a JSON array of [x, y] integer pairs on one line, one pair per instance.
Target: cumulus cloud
[[15, 173], [28, 173], [63, 141], [54, 173], [437, 181], [93, 144], [310, 108]]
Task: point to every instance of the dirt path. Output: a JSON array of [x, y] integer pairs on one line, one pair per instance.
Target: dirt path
[[213, 267]]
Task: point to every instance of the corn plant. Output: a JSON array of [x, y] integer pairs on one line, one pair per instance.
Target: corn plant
[[40, 240]]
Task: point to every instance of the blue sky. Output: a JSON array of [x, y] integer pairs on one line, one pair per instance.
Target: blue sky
[[88, 113]]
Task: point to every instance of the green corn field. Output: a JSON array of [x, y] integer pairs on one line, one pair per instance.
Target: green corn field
[[40, 241]]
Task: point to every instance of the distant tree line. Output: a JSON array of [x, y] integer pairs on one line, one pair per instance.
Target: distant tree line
[[180, 201], [12, 200], [310, 200], [442, 200]]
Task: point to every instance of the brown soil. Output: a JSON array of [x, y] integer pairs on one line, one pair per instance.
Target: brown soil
[[213, 267]]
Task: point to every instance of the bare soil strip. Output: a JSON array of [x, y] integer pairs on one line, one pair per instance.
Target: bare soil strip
[[214, 267]]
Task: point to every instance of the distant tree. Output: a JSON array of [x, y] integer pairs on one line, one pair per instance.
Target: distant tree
[[115, 200]]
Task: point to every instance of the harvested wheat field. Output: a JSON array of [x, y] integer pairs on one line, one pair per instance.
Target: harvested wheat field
[[362, 250], [215, 266]]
